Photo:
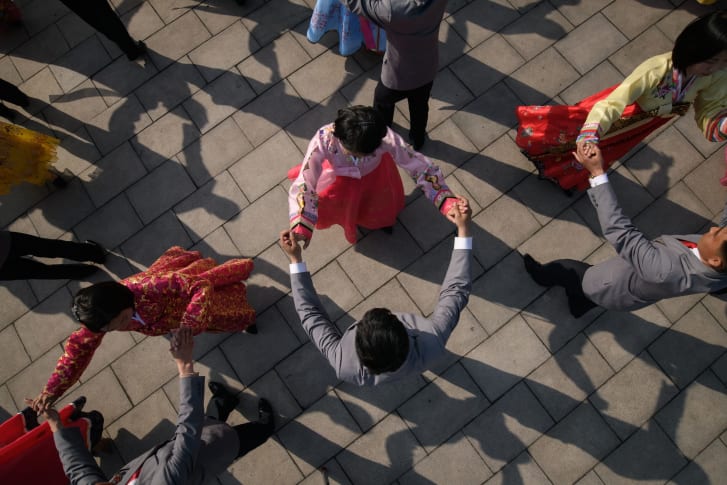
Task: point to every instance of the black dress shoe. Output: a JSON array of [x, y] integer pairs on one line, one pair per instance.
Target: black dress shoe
[[139, 51], [537, 272], [228, 400], [251, 329], [97, 253], [265, 412], [417, 142]]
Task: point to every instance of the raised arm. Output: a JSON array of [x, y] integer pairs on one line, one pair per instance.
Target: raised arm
[[78, 463], [316, 322]]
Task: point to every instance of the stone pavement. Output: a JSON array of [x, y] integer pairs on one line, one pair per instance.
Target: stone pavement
[[192, 148]]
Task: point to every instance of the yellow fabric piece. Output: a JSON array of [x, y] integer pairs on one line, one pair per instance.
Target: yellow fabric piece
[[25, 156], [708, 93]]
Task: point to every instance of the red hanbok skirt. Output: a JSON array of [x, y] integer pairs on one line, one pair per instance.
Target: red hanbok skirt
[[373, 201], [547, 136]]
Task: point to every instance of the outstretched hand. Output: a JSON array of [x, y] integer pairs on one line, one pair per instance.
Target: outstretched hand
[[289, 243], [41, 403], [53, 418], [181, 348]]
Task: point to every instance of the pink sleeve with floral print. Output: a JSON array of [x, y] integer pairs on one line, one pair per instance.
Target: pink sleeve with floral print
[[303, 194], [77, 354]]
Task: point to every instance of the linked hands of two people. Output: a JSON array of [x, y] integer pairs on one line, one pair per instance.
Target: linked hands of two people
[[181, 348], [589, 155], [459, 214]]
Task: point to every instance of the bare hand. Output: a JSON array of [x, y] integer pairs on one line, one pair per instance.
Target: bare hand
[[460, 214], [41, 403], [589, 155], [53, 418], [290, 245]]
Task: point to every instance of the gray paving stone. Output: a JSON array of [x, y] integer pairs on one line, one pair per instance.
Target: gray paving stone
[[650, 43], [16, 298], [44, 47], [80, 63], [151, 353], [710, 466], [542, 78], [269, 463], [177, 38], [79, 105], [678, 211], [501, 293], [710, 169], [52, 217], [675, 308], [164, 138], [481, 19], [691, 345], [597, 36], [695, 417], [47, 325], [274, 18], [223, 51], [506, 357], [151, 242], [115, 344], [377, 258], [319, 433], [221, 15], [118, 124], [218, 100], [273, 62], [314, 89], [103, 392], [497, 102], [576, 13], [111, 224], [252, 230], [523, 469], [569, 377], [590, 478], [160, 190], [276, 155], [631, 396], [305, 126], [647, 456], [574, 445], [600, 77], [15, 357], [382, 454], [121, 77], [619, 337], [307, 374], [544, 200], [112, 174], [169, 88], [440, 409], [146, 425], [453, 462], [448, 95], [30, 381], [7, 406], [507, 427], [272, 388], [538, 29], [252, 355], [633, 17]]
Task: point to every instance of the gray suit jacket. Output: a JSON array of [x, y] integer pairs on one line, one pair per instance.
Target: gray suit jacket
[[412, 38], [200, 450], [646, 271], [427, 336]]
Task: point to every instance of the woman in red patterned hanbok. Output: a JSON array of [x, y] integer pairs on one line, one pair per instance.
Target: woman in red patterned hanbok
[[180, 289]]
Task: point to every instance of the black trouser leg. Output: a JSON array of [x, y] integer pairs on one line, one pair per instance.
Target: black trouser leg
[[418, 112], [219, 409], [569, 274], [99, 15], [27, 245], [385, 100], [27, 269], [252, 435]]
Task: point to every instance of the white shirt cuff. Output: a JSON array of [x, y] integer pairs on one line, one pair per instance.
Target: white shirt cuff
[[298, 268], [598, 180], [462, 243]]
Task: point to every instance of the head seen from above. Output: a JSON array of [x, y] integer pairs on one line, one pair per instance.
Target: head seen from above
[[360, 129], [701, 48], [713, 248], [382, 343], [104, 307]]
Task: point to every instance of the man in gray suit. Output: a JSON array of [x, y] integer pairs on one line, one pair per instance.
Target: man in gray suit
[[644, 271], [200, 449], [383, 345], [411, 59]]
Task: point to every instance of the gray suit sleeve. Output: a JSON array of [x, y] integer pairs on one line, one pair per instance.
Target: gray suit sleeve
[[316, 322], [648, 260], [453, 295], [78, 463], [187, 439]]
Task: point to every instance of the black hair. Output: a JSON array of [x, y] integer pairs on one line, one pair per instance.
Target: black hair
[[95, 306], [382, 343], [723, 254], [701, 40], [360, 129]]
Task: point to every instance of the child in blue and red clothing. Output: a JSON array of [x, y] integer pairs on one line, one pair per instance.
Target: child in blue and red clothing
[[349, 177]]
